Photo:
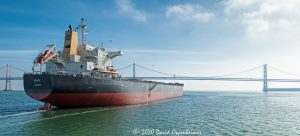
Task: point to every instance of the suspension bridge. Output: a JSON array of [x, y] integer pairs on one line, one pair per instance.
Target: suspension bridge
[[9, 70]]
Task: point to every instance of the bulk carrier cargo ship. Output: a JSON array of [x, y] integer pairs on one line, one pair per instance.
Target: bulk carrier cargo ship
[[82, 75]]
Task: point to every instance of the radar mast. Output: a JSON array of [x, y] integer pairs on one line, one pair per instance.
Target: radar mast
[[83, 26]]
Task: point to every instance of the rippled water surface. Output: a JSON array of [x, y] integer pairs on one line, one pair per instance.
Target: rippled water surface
[[203, 113]]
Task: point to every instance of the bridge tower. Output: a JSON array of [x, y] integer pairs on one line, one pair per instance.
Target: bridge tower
[[8, 78], [133, 71], [265, 80]]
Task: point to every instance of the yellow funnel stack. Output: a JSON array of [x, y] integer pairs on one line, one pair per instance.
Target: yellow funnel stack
[[70, 45]]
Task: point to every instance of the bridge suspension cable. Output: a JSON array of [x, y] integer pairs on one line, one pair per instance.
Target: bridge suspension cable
[[18, 68], [237, 73], [170, 74], [125, 67], [283, 71]]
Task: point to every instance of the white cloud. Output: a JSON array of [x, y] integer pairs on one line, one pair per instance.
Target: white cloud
[[188, 12], [265, 16], [233, 5], [128, 8], [255, 26]]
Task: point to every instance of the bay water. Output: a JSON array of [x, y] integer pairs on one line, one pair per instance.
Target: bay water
[[195, 113]]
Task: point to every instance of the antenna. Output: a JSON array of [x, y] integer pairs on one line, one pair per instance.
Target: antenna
[[83, 26]]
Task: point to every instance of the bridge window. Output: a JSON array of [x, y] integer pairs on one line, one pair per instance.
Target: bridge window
[[68, 37], [68, 46]]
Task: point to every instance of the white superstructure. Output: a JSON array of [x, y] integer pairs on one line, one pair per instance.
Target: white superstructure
[[78, 59]]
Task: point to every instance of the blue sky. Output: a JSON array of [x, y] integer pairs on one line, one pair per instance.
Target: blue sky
[[190, 37]]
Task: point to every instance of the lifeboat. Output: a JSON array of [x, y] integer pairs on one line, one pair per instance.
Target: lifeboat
[[45, 55]]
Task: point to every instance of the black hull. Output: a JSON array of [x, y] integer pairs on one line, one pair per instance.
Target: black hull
[[96, 92]]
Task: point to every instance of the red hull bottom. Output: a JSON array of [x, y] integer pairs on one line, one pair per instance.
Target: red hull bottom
[[102, 99]]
